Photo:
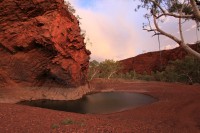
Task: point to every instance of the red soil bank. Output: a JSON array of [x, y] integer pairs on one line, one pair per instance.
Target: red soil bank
[[152, 61]]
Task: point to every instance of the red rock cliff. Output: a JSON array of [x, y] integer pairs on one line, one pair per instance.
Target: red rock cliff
[[41, 44], [153, 61]]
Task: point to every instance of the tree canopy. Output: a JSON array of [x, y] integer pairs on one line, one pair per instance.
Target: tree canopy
[[104, 69]]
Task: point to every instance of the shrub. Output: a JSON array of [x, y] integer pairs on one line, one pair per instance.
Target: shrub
[[67, 122], [54, 126], [186, 70]]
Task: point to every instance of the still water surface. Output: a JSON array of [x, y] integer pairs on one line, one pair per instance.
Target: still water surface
[[98, 103]]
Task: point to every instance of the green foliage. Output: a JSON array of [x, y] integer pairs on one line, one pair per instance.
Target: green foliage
[[132, 75], [93, 70], [54, 126], [106, 69], [158, 76], [175, 7], [70, 7], [145, 77], [170, 5], [67, 122], [129, 75], [186, 70]]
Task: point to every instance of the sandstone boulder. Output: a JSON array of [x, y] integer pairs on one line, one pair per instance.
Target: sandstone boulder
[[41, 45]]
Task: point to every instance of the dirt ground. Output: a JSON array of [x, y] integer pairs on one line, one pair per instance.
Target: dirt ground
[[176, 111]]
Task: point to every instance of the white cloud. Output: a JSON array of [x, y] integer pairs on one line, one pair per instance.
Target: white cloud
[[167, 47], [111, 32], [190, 28]]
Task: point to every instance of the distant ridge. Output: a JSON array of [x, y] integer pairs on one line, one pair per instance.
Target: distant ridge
[[152, 61]]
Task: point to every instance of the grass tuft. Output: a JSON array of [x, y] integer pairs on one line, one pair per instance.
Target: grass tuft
[[54, 126], [67, 122]]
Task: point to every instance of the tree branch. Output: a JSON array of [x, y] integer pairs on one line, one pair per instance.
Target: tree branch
[[165, 13], [176, 15], [182, 43], [165, 33], [149, 30], [156, 15], [195, 9], [158, 5]]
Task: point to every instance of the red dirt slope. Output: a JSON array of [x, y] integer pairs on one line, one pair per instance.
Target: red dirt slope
[[177, 111], [152, 62]]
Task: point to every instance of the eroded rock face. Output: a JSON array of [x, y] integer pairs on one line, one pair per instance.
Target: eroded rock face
[[154, 61], [41, 44]]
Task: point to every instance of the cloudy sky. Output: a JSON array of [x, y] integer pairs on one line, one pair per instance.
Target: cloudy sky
[[115, 30]]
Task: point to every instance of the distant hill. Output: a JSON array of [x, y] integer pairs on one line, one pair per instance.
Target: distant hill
[[154, 61]]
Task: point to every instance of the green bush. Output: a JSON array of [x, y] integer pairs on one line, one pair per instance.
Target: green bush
[[186, 70], [67, 122], [105, 69], [54, 126], [144, 76]]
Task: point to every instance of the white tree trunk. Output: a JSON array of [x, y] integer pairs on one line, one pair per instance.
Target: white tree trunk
[[111, 74]]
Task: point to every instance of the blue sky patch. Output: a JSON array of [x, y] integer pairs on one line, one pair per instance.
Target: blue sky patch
[[86, 3]]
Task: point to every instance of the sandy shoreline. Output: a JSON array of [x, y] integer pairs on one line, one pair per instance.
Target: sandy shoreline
[[14, 95], [178, 110]]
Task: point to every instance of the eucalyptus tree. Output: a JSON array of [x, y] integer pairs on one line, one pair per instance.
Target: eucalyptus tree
[[93, 69], [108, 68], [181, 10]]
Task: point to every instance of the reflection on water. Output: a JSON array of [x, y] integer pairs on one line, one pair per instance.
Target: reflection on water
[[99, 103]]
